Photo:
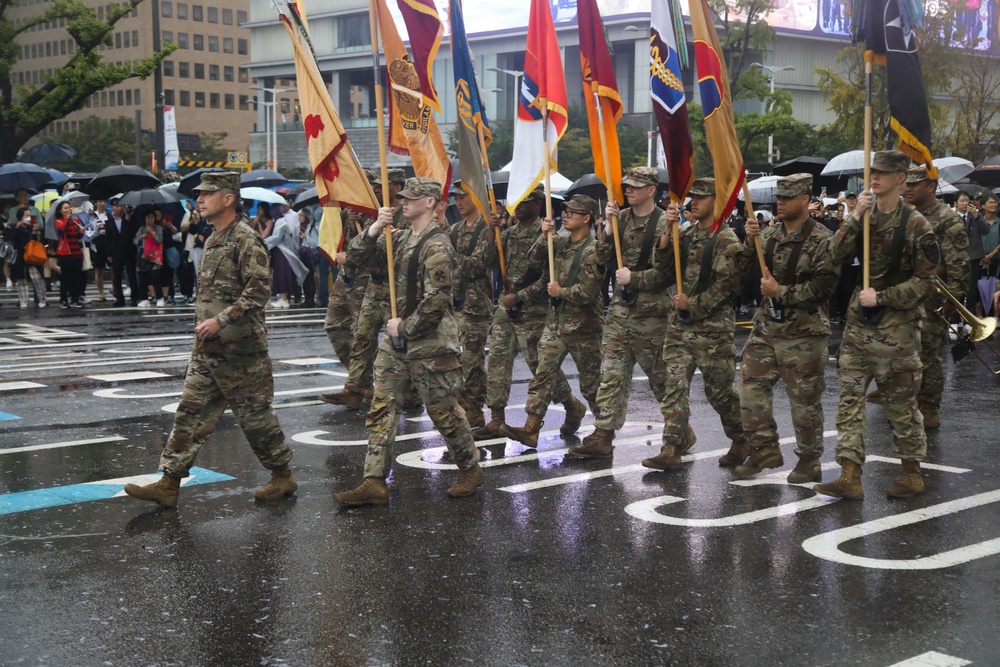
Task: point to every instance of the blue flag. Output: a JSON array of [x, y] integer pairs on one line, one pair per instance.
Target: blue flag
[[471, 113]]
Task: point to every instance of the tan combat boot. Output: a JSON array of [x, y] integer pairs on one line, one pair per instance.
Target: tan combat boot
[[931, 418], [528, 434], [474, 413], [575, 412], [349, 398], [282, 484], [689, 439], [163, 491], [668, 459], [875, 395], [373, 491], [468, 481], [760, 459], [737, 454], [909, 484], [848, 485], [495, 428], [597, 445], [806, 470]]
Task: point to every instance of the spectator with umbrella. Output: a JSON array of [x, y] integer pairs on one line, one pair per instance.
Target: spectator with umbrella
[[97, 238], [22, 199], [149, 244], [25, 226], [192, 227], [287, 269], [976, 227], [69, 255], [121, 230], [171, 256], [989, 204]]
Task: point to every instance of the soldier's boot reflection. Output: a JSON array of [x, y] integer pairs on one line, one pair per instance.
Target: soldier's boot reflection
[[163, 491]]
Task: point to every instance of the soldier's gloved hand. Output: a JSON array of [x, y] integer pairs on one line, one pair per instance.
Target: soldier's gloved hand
[[384, 218], [509, 300], [869, 297], [554, 290], [623, 276], [548, 226], [864, 203], [752, 229]]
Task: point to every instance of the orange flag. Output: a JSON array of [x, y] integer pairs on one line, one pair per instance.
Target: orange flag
[[412, 128], [340, 181]]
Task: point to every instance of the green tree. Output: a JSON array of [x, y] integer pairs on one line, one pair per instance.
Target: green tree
[[99, 143], [745, 35], [975, 130], [28, 109]]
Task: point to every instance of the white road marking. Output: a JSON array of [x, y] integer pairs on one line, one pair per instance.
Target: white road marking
[[827, 545], [96, 343], [933, 659], [125, 377], [24, 384], [308, 361], [91, 364], [124, 350], [117, 392], [58, 445]]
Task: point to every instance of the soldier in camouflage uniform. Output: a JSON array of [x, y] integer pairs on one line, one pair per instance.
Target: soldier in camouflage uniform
[[637, 317], [576, 313], [477, 256], [791, 331], [229, 364], [954, 270], [519, 323], [700, 334], [428, 330], [883, 342]]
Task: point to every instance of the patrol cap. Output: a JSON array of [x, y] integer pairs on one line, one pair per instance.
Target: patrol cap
[[917, 174], [641, 177], [458, 188], [583, 204], [370, 175], [890, 161], [395, 176], [213, 181], [796, 184], [418, 188], [703, 187], [538, 194]]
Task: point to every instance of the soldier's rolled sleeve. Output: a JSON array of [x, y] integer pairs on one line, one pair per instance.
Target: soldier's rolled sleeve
[[588, 284], [820, 287], [725, 283], [438, 268], [926, 255], [844, 246], [255, 274]]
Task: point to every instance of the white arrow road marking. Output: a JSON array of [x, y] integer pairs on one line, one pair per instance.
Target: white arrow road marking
[[933, 659]]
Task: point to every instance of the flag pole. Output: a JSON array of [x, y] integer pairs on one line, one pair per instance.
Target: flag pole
[[383, 160], [544, 104], [607, 170], [866, 226], [676, 233], [493, 202], [756, 241]]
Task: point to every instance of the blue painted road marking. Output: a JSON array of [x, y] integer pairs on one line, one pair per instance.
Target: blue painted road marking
[[24, 501], [6, 416]]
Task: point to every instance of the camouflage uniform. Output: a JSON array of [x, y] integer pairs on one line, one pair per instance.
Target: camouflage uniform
[[508, 336], [345, 303], [574, 322], [889, 350], [706, 342], [233, 368], [431, 363], [955, 271], [794, 349], [632, 333], [475, 269]]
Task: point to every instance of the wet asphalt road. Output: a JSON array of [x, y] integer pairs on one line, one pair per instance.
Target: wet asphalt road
[[552, 562]]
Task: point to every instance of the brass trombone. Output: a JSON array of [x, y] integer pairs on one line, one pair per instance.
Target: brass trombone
[[980, 329]]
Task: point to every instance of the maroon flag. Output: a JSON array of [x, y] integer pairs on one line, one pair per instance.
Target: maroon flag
[[424, 27]]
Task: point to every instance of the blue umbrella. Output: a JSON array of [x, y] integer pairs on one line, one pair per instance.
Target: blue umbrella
[[23, 175], [987, 286], [49, 151]]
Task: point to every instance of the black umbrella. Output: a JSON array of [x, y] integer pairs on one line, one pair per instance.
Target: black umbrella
[[300, 188], [262, 178], [50, 151], [988, 173], [306, 198], [120, 178], [191, 181], [18, 175], [974, 190], [590, 185], [805, 164], [150, 197], [500, 180]]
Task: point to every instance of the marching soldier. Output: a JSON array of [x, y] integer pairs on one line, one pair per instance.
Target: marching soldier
[[229, 363], [791, 331], [954, 270], [637, 317], [576, 314], [519, 322], [421, 349], [701, 333], [883, 340], [473, 298]]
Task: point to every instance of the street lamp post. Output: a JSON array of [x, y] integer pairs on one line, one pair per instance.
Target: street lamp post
[[773, 71], [517, 74], [271, 122]]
